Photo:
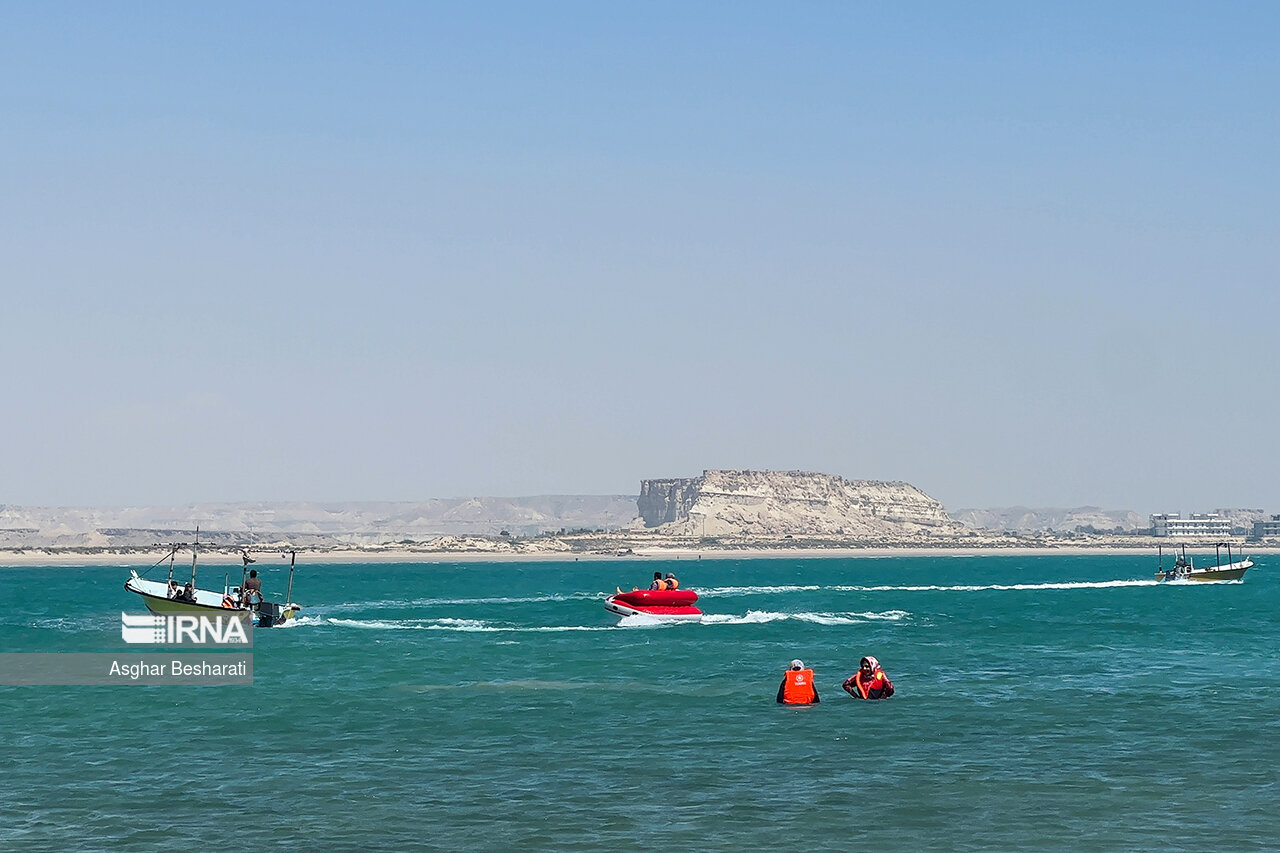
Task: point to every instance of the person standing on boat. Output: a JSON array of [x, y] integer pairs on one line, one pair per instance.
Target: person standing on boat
[[797, 687], [869, 682], [252, 588]]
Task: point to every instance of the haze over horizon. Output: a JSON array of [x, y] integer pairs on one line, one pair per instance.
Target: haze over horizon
[[1009, 254]]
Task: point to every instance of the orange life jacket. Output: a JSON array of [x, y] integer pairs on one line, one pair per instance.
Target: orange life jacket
[[798, 689], [227, 602], [672, 583], [865, 685]]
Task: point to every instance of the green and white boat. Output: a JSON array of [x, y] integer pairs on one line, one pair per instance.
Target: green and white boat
[[166, 597]]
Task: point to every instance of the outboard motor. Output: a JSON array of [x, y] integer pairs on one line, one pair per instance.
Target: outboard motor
[[270, 614]]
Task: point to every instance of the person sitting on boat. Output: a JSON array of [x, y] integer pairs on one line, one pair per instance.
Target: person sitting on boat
[[173, 591], [797, 687], [252, 588], [189, 592], [671, 581], [869, 682], [658, 582]]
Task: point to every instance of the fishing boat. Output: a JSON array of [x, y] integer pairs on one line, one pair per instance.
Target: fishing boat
[[1184, 567], [669, 605], [165, 597]]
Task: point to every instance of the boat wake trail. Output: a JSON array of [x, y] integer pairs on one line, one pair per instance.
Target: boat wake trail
[[999, 586], [756, 590], [301, 621], [752, 617], [762, 617], [463, 625], [451, 602], [774, 590], [758, 617]]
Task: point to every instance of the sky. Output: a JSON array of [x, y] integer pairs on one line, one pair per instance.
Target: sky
[[1010, 253]]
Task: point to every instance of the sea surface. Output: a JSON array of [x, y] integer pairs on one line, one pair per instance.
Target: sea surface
[[1043, 703]]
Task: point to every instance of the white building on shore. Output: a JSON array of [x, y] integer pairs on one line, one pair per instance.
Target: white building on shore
[[1267, 529], [1206, 525]]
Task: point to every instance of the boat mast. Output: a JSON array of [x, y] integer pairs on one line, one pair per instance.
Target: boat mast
[[194, 550], [288, 596], [173, 549]]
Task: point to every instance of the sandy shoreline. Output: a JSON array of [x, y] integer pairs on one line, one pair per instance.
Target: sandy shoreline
[[266, 559]]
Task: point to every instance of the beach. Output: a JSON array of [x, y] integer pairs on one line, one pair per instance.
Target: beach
[[372, 556]]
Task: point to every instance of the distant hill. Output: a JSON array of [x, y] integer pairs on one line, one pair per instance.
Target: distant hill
[[311, 523], [719, 503], [1021, 519]]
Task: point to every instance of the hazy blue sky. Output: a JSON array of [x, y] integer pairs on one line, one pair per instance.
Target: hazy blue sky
[[1009, 253]]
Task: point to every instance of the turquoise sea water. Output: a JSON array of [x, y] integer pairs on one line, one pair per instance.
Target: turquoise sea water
[[1043, 703]]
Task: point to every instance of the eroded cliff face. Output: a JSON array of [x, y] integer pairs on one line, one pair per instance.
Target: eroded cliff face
[[780, 503], [665, 501]]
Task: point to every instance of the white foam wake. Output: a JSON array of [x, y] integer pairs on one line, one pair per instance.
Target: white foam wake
[[757, 617], [751, 617], [775, 590], [301, 621], [756, 590], [999, 586], [449, 602], [464, 625]]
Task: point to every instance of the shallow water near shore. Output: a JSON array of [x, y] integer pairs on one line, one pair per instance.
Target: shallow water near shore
[[1043, 702]]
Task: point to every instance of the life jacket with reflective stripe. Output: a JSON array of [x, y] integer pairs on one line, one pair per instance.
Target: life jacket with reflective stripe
[[799, 687]]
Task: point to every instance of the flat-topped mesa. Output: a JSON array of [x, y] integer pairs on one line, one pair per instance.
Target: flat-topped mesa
[[780, 503]]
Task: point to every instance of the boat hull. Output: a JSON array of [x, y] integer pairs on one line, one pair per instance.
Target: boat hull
[[657, 597], [666, 614], [165, 606], [155, 598], [667, 605]]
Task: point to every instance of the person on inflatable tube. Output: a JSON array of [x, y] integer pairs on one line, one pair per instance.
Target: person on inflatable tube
[[869, 682]]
